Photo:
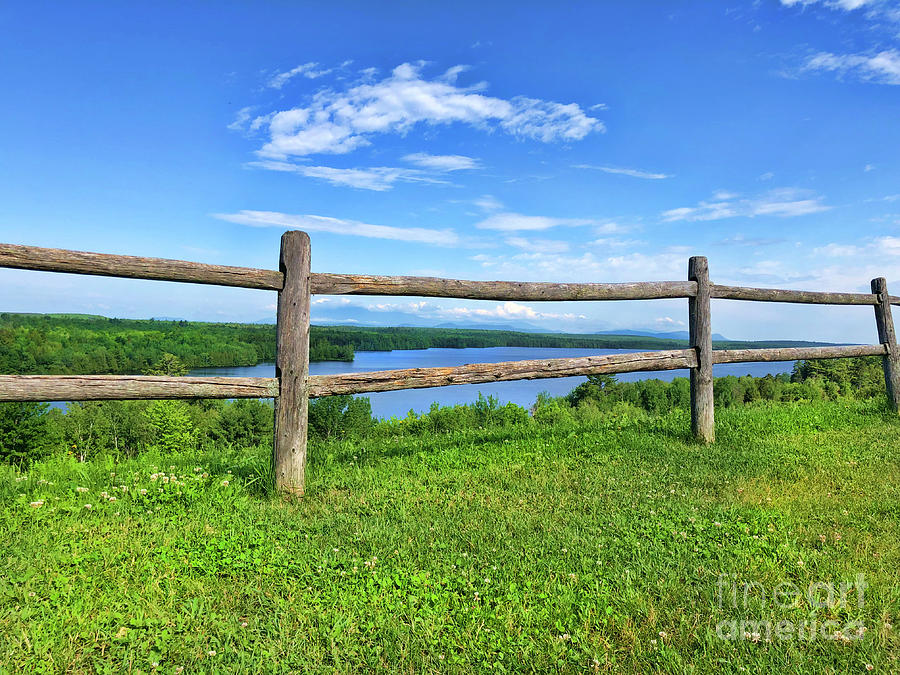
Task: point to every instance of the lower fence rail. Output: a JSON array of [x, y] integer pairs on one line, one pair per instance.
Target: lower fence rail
[[137, 387]]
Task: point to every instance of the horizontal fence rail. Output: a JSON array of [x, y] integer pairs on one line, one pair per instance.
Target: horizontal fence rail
[[133, 267], [131, 387], [163, 269], [432, 287], [480, 373], [292, 387], [780, 295]]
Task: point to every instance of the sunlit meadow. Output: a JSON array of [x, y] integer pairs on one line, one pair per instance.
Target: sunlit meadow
[[584, 545]]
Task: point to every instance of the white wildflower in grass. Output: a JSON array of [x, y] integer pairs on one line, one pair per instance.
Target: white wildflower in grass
[[663, 635], [243, 624], [143, 491], [112, 499], [105, 495], [211, 652], [37, 504], [88, 507], [81, 489], [225, 484], [19, 479]]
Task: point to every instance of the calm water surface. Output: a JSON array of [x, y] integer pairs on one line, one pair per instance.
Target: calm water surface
[[522, 392]]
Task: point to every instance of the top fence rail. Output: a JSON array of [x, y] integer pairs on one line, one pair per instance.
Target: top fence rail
[[162, 269]]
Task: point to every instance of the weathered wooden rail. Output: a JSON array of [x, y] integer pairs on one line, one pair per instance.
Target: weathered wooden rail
[[292, 386]]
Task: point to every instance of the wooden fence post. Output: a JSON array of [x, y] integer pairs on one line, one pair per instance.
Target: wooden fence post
[[700, 328], [292, 365], [886, 336]]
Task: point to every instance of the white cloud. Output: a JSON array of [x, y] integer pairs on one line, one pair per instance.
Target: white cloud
[[311, 223], [241, 118], [513, 222], [846, 5], [782, 202], [307, 70], [442, 163], [869, 167], [488, 203], [668, 322], [378, 178], [506, 310], [880, 68], [836, 250], [545, 245], [634, 173], [588, 266], [340, 121]]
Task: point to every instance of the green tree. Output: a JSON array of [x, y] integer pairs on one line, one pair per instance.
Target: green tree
[[24, 431], [168, 364], [171, 426]]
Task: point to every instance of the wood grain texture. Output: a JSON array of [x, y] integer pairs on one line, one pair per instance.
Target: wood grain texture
[[890, 362], [796, 353], [133, 267], [479, 373], [292, 365], [781, 295], [700, 331], [360, 284], [131, 387]]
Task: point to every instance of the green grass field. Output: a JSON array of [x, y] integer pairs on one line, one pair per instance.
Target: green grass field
[[575, 547]]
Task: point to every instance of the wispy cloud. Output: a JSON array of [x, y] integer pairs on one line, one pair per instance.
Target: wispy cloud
[[442, 163], [846, 5], [879, 68], [514, 222], [339, 121], [634, 173], [783, 203], [586, 266], [377, 178], [312, 223], [545, 245], [753, 242], [308, 70], [488, 203]]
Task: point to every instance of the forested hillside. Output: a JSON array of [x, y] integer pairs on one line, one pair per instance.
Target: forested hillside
[[86, 344]]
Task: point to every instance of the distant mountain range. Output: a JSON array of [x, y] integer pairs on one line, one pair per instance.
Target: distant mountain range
[[355, 315], [672, 335]]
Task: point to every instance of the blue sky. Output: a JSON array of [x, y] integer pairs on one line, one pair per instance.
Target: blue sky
[[580, 142]]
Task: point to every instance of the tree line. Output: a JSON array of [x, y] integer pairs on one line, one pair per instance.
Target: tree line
[[73, 344]]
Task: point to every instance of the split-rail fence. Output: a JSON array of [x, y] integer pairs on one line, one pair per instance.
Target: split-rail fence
[[293, 386]]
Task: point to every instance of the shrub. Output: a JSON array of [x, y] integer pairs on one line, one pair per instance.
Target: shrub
[[339, 416]]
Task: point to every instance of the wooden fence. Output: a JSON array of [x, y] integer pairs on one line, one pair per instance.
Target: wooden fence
[[292, 386]]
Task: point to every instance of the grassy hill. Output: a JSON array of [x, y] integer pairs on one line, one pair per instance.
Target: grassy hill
[[597, 544]]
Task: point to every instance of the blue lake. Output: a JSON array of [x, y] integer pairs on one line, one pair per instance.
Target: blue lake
[[522, 392]]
